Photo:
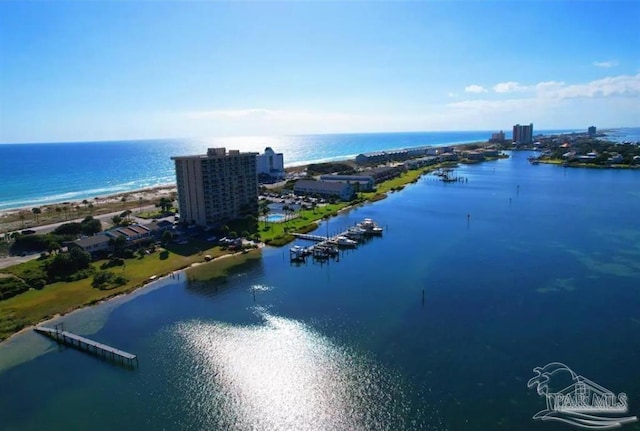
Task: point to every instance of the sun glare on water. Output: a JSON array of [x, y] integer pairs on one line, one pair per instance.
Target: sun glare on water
[[282, 375]]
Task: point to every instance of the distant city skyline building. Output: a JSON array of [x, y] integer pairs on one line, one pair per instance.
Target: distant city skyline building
[[591, 131], [217, 186], [497, 137], [523, 134], [270, 163]]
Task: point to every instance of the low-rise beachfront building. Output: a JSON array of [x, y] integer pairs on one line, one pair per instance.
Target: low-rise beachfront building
[[217, 186], [422, 151], [93, 244], [421, 162], [383, 173], [131, 233], [473, 155], [325, 189], [448, 157], [382, 157], [491, 152], [270, 164], [364, 183]]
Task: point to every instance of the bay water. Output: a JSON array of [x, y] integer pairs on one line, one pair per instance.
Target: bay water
[[520, 266]]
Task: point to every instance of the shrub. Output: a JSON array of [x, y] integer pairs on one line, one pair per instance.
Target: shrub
[[11, 286]]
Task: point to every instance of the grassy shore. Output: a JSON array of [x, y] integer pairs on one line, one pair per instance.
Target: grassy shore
[[59, 298]]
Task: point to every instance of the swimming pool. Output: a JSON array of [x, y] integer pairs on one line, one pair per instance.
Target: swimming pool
[[274, 218]]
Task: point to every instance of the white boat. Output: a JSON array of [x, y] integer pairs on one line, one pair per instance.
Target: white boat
[[370, 227], [355, 232], [297, 253], [343, 241]]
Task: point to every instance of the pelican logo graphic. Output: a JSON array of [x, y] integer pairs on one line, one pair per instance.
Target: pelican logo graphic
[[578, 401]]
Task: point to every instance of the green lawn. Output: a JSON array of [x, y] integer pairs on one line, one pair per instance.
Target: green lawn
[[58, 298]]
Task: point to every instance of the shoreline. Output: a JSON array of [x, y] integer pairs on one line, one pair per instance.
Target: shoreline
[[129, 292], [100, 198], [382, 192], [293, 166]]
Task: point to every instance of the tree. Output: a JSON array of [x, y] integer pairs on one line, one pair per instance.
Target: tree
[[119, 244], [124, 201], [244, 234], [91, 226], [85, 202], [265, 213], [164, 204], [314, 204], [252, 222], [36, 212], [116, 220], [22, 217], [166, 237]]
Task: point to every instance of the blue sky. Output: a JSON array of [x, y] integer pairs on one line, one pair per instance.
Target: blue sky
[[162, 69]]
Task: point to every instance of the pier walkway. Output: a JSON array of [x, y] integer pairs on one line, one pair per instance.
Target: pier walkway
[[81, 343], [317, 238]]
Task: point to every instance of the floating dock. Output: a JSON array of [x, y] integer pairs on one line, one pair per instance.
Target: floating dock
[[327, 246], [86, 345]]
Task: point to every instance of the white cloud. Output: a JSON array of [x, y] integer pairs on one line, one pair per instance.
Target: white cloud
[[452, 94], [555, 104], [475, 89], [622, 85], [509, 87], [605, 64]]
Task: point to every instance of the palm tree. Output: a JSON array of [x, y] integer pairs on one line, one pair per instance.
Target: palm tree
[[265, 212], [36, 212], [123, 200]]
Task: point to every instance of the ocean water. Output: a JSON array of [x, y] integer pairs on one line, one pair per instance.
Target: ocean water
[[520, 266], [38, 174]]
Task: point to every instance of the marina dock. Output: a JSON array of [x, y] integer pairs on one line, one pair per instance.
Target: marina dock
[[86, 345], [327, 246]]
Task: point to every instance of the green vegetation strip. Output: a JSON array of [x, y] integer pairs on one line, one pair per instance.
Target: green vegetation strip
[[34, 306], [219, 269]]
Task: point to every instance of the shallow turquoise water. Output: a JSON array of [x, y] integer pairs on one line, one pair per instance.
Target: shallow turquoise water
[[545, 268]]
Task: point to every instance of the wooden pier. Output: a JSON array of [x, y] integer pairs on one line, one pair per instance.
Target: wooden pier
[[86, 345]]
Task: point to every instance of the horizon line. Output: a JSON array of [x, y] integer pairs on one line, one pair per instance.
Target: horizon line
[[192, 138]]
